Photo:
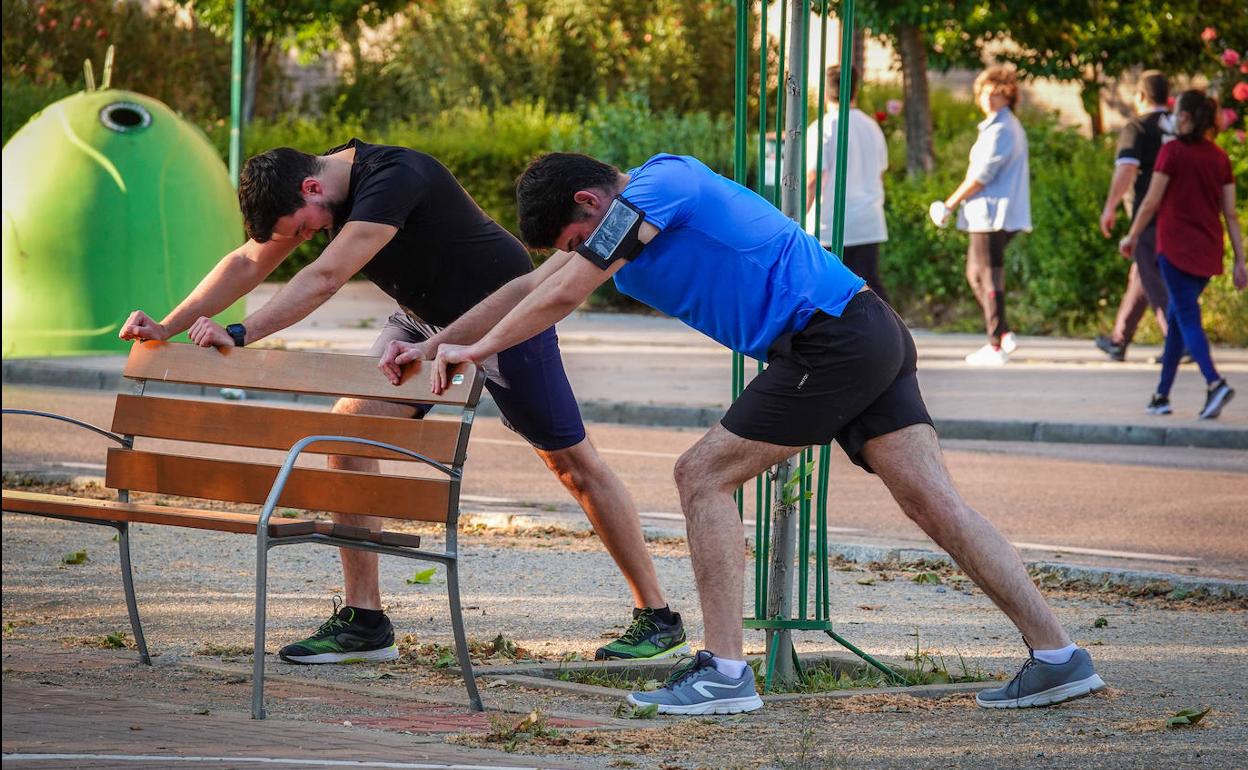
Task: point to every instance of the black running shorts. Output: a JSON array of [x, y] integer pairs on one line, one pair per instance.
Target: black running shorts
[[850, 378]]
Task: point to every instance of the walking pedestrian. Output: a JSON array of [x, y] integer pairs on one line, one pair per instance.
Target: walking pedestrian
[[993, 204], [1138, 145], [866, 160], [1192, 183]]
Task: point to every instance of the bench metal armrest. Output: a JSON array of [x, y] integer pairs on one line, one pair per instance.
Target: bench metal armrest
[[127, 443], [283, 475]]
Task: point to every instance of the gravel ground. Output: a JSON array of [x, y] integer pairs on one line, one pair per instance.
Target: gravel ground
[[555, 594]]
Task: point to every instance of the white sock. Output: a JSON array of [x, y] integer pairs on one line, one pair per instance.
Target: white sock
[[1055, 657], [732, 668]]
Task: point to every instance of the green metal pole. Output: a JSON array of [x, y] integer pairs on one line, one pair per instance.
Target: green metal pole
[[740, 174], [780, 101], [236, 89], [842, 125], [823, 109]]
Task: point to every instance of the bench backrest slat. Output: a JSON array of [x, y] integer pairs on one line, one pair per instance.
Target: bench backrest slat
[[265, 427], [330, 374], [399, 497]]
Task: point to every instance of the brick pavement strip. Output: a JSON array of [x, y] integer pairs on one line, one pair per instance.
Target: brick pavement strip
[[51, 726]]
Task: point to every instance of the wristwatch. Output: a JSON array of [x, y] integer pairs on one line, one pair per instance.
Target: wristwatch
[[238, 332]]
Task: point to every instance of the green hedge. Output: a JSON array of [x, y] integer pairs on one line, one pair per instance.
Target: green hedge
[[1062, 278]]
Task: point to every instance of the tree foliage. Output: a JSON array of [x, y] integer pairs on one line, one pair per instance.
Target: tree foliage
[[182, 63], [677, 54]]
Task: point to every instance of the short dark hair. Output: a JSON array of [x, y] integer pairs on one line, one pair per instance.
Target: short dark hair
[[1154, 86], [545, 190], [834, 83], [270, 188], [1203, 110]]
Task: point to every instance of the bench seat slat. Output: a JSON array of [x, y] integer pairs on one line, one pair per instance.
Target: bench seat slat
[[195, 518], [327, 374], [265, 427], [368, 494], [113, 510]]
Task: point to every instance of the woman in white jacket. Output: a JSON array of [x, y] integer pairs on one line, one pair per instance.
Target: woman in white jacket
[[993, 204]]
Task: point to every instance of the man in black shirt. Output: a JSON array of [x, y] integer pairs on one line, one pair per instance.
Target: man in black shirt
[[1138, 145], [402, 219]]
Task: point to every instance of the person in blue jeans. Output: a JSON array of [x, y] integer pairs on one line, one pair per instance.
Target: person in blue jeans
[[841, 366], [1192, 184]]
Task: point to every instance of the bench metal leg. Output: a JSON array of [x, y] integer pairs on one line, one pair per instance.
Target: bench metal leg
[[127, 582], [262, 588], [461, 641]]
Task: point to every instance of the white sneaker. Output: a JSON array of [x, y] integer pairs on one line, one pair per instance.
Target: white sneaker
[[988, 356], [1008, 343]]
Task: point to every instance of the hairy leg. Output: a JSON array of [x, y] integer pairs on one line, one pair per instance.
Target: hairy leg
[[359, 568], [706, 476], [613, 514], [910, 464]]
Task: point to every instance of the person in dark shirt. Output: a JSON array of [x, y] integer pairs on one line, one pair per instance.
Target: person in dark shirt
[[402, 219], [1138, 146]]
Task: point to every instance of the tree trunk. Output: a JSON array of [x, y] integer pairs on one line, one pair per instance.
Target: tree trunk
[[1090, 93], [256, 53], [920, 158]]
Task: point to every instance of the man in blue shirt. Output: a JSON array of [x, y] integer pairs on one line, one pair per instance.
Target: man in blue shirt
[[841, 365]]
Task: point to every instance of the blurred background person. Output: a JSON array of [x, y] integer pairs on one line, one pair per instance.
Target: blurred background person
[[866, 161], [1192, 184], [993, 204], [1138, 146]]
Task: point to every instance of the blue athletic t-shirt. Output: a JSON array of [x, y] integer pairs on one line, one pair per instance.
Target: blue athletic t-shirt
[[727, 262]]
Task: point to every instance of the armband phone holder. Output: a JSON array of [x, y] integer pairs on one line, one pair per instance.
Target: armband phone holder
[[616, 236]]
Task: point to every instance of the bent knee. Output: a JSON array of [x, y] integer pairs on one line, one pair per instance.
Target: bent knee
[[697, 474]]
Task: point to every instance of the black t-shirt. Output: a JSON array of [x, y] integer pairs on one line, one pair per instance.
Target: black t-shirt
[[1140, 141], [448, 254]]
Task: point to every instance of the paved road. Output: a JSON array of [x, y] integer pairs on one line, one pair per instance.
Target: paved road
[[1178, 510]]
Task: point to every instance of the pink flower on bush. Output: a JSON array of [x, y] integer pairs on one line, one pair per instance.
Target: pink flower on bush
[[1230, 57], [1209, 34], [1244, 68], [1240, 91], [1240, 135], [893, 106], [1229, 117]]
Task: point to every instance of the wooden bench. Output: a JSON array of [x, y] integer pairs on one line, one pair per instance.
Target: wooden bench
[[438, 444]]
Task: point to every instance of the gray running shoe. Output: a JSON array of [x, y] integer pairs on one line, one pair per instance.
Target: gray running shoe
[[1044, 684], [699, 688], [1219, 395]]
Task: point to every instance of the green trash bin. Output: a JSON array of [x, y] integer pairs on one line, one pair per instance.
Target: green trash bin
[[112, 202]]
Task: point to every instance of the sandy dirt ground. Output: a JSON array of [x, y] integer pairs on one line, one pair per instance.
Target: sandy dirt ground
[[555, 595]]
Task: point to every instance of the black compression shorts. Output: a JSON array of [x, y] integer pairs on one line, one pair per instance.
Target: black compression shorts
[[850, 378]]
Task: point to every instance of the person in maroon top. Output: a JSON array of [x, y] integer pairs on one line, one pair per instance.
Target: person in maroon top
[[1192, 183]]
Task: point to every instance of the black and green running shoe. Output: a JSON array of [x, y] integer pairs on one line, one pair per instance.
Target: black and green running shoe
[[343, 639], [647, 638]]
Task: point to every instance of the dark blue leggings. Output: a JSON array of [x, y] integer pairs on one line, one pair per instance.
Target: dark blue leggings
[[1183, 317]]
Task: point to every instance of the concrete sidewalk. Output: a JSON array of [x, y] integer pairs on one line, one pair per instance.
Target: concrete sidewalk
[[655, 371]]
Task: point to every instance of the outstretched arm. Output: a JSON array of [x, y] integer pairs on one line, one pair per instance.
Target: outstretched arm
[[1239, 273], [552, 300], [354, 246], [237, 273], [1152, 199], [1124, 177], [473, 325]]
